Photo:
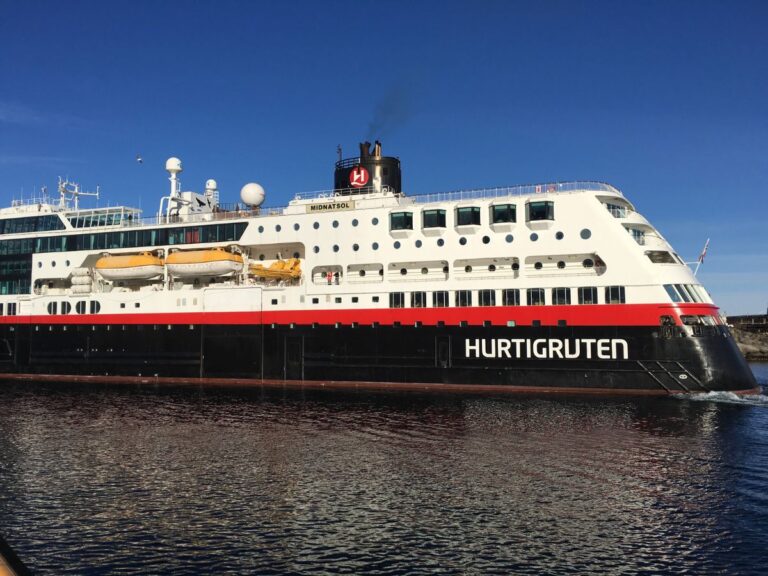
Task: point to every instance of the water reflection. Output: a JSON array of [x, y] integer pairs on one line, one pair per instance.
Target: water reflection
[[117, 480]]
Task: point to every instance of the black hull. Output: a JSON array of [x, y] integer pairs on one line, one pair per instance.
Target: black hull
[[654, 362]]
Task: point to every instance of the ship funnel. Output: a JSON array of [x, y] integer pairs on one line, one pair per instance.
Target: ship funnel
[[370, 172]]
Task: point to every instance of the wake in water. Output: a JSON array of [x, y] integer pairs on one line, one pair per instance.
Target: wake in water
[[729, 398]]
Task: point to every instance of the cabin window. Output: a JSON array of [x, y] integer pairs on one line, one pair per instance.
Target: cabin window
[[66, 307], [12, 309], [510, 297], [95, 307], [418, 299], [433, 219], [588, 295], [80, 307], [397, 300], [440, 299], [535, 296], [544, 210], [614, 295], [561, 296], [660, 257], [468, 216], [463, 297], [401, 221], [616, 210], [486, 297], [501, 213], [52, 308]]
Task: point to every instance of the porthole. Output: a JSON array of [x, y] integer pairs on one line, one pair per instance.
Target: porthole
[[585, 233], [335, 247], [53, 263], [492, 268], [381, 273], [278, 228], [418, 243], [486, 239], [588, 263], [362, 273], [509, 238], [463, 241], [296, 255], [467, 269], [375, 245], [424, 271], [375, 221], [515, 266], [538, 265], [355, 247], [316, 225], [296, 226], [39, 264], [397, 244], [316, 249], [561, 264], [534, 236], [440, 242], [354, 222], [445, 269], [559, 235], [335, 223], [261, 256], [67, 263], [403, 271], [261, 229]]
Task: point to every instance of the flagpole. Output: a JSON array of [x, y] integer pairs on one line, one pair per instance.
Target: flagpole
[[701, 257]]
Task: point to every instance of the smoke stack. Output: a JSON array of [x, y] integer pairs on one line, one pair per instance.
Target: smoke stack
[[370, 173]]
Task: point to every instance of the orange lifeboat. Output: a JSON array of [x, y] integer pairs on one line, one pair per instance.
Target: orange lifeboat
[[144, 266], [214, 262]]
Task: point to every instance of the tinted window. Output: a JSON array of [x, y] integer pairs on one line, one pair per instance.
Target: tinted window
[[540, 211]]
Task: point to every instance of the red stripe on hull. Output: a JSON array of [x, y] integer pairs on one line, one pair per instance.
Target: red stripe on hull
[[582, 315]]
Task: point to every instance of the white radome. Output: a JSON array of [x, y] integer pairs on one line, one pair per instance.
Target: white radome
[[211, 184], [173, 165], [252, 194]]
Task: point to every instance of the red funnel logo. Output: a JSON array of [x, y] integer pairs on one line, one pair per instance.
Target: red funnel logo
[[358, 177]]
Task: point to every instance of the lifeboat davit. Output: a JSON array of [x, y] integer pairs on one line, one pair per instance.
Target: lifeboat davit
[[279, 270], [144, 266], [214, 262]]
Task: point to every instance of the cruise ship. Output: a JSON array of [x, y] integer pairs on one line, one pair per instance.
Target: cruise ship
[[552, 287]]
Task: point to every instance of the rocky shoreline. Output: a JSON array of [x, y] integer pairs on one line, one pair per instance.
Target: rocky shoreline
[[754, 345]]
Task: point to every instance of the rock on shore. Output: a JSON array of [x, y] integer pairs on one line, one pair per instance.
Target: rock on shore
[[754, 345]]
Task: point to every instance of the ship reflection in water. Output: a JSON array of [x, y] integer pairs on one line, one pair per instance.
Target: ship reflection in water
[[190, 481]]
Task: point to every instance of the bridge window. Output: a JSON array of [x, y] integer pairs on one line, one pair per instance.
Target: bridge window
[[418, 299], [401, 221], [615, 295], [540, 211], [660, 257], [501, 213], [588, 295], [486, 297], [616, 210], [535, 296], [468, 216], [463, 297], [440, 299], [510, 297], [433, 219]]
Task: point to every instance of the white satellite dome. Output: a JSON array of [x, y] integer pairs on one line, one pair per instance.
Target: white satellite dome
[[173, 165], [211, 184], [252, 194]]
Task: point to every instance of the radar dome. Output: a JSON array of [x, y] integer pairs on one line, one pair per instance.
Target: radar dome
[[252, 194], [211, 184], [173, 165]]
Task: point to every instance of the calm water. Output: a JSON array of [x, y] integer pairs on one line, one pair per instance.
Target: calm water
[[142, 481]]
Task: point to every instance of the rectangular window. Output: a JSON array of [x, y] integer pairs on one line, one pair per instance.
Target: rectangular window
[[561, 296], [397, 300], [418, 299], [660, 257], [486, 297], [638, 235], [616, 210], [401, 221], [588, 295], [510, 297], [614, 295], [544, 210], [440, 299], [463, 297], [535, 296], [467, 216], [672, 292], [12, 309], [683, 293], [503, 213], [433, 219]]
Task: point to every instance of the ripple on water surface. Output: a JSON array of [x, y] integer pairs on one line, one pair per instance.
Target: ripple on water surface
[[137, 481]]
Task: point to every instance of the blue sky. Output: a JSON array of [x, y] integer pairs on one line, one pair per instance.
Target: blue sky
[[668, 101]]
